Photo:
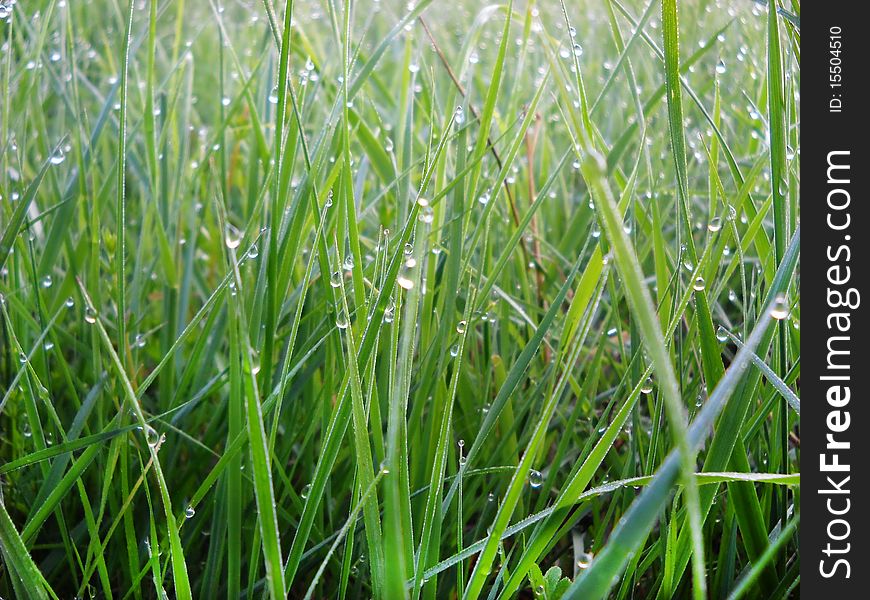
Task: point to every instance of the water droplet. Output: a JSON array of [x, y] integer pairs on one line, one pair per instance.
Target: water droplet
[[57, 157], [461, 327], [720, 67], [536, 479], [46, 281], [189, 512], [483, 198], [253, 251], [454, 350], [578, 49], [232, 237], [48, 346], [779, 310], [348, 262], [721, 334], [699, 284], [273, 95], [427, 215], [90, 315], [647, 386], [459, 116], [404, 282], [70, 302], [305, 491], [341, 320], [584, 560], [335, 279], [152, 438], [714, 225], [539, 590]]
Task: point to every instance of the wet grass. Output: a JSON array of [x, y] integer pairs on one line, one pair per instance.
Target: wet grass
[[338, 300]]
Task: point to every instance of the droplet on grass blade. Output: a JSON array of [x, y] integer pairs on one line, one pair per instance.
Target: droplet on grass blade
[[152, 438], [779, 310], [647, 386]]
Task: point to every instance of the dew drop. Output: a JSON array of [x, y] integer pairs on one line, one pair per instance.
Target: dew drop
[[721, 334], [536, 479], [461, 327], [305, 491], [720, 67], [232, 238], [152, 438], [335, 279], [780, 309], [454, 350], [46, 281], [90, 315], [699, 284], [58, 157], [427, 215], [189, 512], [253, 251], [714, 225], [647, 386]]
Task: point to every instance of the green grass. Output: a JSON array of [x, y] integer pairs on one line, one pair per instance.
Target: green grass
[[328, 300]]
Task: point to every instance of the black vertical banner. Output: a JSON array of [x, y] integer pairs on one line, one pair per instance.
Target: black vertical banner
[[835, 445]]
